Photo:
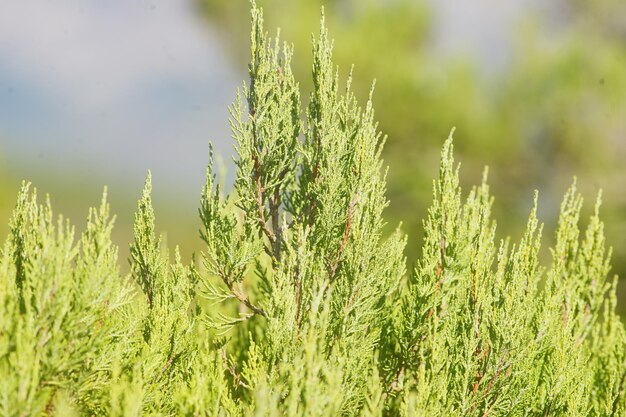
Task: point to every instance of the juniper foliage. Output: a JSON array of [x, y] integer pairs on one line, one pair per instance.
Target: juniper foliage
[[300, 305]]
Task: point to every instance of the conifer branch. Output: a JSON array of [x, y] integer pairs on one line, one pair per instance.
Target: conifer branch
[[169, 362], [246, 301], [274, 211], [332, 266], [239, 295], [230, 366], [298, 296], [259, 201]]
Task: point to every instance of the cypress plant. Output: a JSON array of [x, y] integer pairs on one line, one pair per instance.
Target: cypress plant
[[299, 305]]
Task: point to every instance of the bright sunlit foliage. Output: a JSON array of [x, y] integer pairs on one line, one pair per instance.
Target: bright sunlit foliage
[[299, 304]]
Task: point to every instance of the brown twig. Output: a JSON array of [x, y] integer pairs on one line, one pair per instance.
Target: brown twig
[[499, 370], [245, 300], [232, 370], [352, 299], [50, 407], [491, 384], [150, 289], [298, 285], [442, 254], [239, 294], [396, 384], [439, 271], [259, 201], [564, 315], [549, 408], [279, 71], [332, 266], [274, 205], [274, 211], [169, 362], [314, 178], [103, 312], [479, 375]]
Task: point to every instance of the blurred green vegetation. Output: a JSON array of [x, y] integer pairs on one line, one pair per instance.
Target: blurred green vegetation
[[557, 110], [74, 190]]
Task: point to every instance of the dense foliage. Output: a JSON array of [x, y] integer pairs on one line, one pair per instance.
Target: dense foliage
[[301, 305], [550, 103]]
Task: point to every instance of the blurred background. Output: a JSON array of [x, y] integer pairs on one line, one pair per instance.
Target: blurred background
[[98, 92]]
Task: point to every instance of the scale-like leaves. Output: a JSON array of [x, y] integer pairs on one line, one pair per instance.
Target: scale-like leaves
[[301, 305]]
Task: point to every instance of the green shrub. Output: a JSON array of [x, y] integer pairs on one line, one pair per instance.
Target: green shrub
[[302, 306]]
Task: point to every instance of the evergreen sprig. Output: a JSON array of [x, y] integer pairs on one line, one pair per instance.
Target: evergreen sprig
[[301, 305]]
